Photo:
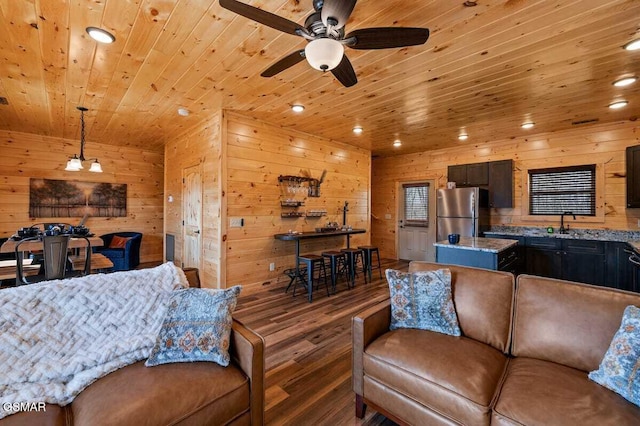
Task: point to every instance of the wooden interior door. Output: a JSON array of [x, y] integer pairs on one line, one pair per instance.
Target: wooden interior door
[[192, 217]]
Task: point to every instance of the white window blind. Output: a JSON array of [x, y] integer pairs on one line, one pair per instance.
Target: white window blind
[[563, 189], [416, 204]]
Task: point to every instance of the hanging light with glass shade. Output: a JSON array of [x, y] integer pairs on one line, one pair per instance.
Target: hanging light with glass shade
[[75, 163]]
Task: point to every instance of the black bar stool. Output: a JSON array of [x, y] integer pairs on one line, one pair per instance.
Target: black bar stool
[[353, 255], [336, 266], [311, 261], [368, 259]]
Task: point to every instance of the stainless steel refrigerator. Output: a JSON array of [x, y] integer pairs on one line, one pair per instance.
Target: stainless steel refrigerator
[[462, 211]]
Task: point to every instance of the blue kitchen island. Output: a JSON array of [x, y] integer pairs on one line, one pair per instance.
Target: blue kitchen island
[[487, 253]]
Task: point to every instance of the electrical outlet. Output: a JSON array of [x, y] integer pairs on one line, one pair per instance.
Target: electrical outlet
[[236, 222], [638, 223], [272, 267], [387, 216]]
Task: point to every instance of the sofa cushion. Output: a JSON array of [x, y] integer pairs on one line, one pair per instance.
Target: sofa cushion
[[136, 395], [422, 300], [537, 392], [566, 323], [483, 300], [619, 368], [196, 327], [454, 376]]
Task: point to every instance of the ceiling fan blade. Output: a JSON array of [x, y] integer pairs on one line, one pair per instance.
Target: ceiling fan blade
[[262, 16], [284, 63], [340, 10], [344, 72], [386, 37]]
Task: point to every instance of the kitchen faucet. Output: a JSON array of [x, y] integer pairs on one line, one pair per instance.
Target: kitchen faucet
[[562, 230]]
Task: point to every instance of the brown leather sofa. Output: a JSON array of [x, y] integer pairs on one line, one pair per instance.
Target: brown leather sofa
[[199, 393], [523, 357]]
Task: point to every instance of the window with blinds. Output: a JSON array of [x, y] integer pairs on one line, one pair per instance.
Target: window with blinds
[[563, 189], [416, 204]]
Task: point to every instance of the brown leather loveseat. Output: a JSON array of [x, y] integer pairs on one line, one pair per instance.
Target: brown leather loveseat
[[523, 357], [198, 393]]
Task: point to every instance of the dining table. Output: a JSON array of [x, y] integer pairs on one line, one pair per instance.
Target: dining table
[[299, 236], [8, 268]]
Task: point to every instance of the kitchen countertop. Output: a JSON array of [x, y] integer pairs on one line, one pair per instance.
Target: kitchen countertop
[[491, 245], [631, 237]]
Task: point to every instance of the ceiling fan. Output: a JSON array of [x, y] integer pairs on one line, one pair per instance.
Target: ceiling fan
[[325, 33]]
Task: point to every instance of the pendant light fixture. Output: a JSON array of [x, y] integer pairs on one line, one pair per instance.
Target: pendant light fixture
[[75, 163]]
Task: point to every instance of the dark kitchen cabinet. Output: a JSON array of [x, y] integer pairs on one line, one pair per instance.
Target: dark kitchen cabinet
[[584, 261], [544, 257], [469, 174], [572, 260], [495, 176], [619, 270], [633, 176], [519, 266], [501, 184]]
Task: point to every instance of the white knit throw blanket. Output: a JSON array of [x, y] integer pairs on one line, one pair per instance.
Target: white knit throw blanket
[[58, 337]]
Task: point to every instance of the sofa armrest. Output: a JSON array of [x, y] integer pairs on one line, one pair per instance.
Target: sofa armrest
[[366, 327], [247, 351]]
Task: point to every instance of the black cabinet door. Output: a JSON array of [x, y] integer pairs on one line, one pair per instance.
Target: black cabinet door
[[633, 176], [501, 184], [584, 268], [584, 261], [478, 174], [544, 263], [457, 174], [619, 270]]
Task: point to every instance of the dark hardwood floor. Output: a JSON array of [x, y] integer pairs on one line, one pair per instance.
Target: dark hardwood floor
[[308, 349]]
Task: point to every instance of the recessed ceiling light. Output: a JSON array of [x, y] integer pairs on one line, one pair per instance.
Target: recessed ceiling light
[[463, 137], [183, 112], [357, 130], [98, 34], [397, 143], [618, 105], [297, 108], [528, 125], [625, 81], [633, 45]]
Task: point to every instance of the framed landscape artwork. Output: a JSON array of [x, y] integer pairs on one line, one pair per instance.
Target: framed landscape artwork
[[61, 198]]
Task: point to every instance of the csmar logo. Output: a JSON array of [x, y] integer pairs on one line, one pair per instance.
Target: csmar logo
[[24, 406]]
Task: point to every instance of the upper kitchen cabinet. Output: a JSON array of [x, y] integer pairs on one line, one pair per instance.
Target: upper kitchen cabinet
[[469, 174], [501, 184], [633, 176], [496, 176]]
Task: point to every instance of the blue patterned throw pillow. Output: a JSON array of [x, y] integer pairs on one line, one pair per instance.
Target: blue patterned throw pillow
[[619, 368], [422, 300], [196, 327]]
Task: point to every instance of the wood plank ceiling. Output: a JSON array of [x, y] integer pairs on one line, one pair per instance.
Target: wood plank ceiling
[[485, 70]]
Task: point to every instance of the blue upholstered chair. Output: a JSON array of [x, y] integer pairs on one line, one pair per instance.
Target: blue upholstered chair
[[123, 258]]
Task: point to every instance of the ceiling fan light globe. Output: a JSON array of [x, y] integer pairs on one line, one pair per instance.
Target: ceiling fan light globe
[[324, 54]]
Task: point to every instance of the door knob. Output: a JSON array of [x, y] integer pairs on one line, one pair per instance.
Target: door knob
[[197, 231]]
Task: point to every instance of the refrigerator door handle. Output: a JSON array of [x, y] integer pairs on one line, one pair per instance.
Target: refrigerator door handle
[[473, 205]]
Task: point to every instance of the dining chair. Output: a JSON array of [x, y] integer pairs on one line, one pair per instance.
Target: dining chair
[[55, 257]]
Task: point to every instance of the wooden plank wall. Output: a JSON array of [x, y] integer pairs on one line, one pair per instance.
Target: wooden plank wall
[[199, 145], [602, 144], [26, 156], [257, 153]]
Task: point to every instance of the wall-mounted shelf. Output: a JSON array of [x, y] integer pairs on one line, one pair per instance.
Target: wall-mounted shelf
[[293, 214], [316, 213], [291, 203]]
